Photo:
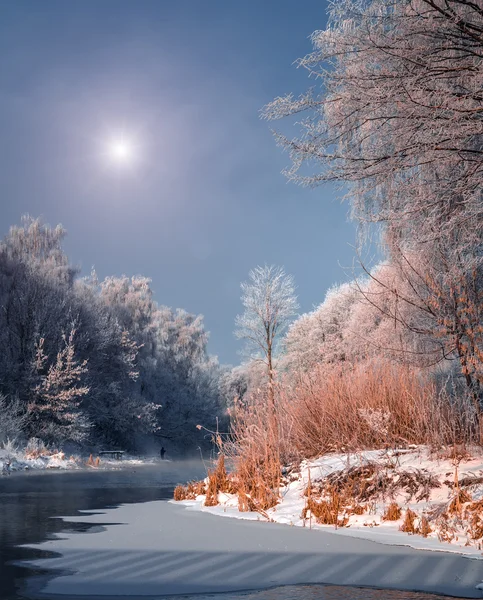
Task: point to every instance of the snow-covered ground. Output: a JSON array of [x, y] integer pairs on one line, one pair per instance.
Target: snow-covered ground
[[14, 460], [451, 532]]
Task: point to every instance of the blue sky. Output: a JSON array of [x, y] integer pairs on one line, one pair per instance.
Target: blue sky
[[205, 200]]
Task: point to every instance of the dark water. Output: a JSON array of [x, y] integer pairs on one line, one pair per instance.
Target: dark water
[[29, 502]]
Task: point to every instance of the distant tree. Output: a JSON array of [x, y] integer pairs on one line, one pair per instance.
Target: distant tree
[[270, 302], [12, 419], [239, 384], [134, 369], [320, 336], [188, 379]]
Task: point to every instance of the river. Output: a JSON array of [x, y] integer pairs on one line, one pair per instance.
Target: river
[[30, 503]]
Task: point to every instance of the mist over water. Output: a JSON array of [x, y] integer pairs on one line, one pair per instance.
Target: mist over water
[[30, 503]]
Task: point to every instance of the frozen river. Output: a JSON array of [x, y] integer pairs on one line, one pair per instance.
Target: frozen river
[[148, 546]]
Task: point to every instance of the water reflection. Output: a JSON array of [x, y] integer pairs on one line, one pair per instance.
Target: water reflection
[[31, 501]]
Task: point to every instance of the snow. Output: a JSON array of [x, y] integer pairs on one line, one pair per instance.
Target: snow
[[16, 460], [158, 548], [371, 526]]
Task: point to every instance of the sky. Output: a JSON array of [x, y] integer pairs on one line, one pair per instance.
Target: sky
[[203, 200]]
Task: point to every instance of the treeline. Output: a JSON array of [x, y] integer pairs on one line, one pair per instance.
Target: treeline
[[96, 362], [397, 118], [394, 356]]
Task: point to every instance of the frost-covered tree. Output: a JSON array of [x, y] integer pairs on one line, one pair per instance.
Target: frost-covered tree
[[429, 312], [270, 302], [320, 336], [188, 379], [12, 419], [134, 368], [243, 382], [118, 414], [396, 112], [54, 410], [35, 285]]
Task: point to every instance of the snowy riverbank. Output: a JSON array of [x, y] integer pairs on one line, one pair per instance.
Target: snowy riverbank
[[14, 460], [446, 516]]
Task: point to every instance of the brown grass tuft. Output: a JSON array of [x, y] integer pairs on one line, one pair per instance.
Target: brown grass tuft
[[256, 447], [474, 515], [372, 405], [424, 529], [327, 512], [217, 482], [392, 513], [460, 498], [189, 491], [179, 493], [408, 524]]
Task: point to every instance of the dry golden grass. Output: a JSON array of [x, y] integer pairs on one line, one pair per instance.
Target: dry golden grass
[[33, 453], [217, 482], [408, 523], [256, 448], [474, 516], [349, 408], [460, 498], [180, 493], [91, 462], [327, 512], [189, 491], [392, 512], [334, 508], [373, 405], [424, 528], [377, 481]]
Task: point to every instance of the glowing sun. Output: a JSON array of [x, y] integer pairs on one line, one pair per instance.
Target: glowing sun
[[121, 151]]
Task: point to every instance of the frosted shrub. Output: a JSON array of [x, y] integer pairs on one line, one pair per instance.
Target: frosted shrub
[[35, 448], [12, 419], [376, 419]]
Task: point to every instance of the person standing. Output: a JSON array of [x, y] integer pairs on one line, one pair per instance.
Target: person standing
[[162, 452]]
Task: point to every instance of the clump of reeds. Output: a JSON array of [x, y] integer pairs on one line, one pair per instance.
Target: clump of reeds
[[456, 504], [392, 512], [408, 523], [36, 448], [474, 516], [374, 481], [217, 482], [93, 462], [189, 491], [256, 448], [372, 405], [424, 528], [329, 511], [179, 493]]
